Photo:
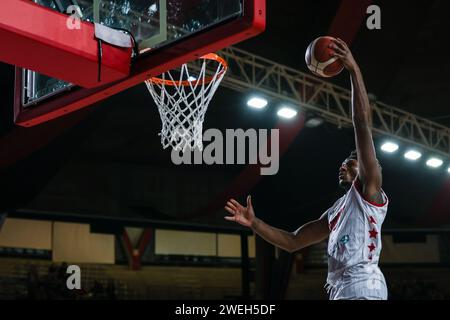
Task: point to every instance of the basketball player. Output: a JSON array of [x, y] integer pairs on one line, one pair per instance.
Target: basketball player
[[353, 223]]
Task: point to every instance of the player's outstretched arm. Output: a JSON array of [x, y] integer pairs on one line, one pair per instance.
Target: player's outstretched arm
[[308, 234], [369, 169]]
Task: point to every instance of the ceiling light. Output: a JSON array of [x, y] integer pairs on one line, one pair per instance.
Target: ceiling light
[[314, 122], [413, 155], [389, 147], [434, 163], [257, 103], [287, 113]]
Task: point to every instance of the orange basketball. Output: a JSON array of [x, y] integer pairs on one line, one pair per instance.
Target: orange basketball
[[319, 58]]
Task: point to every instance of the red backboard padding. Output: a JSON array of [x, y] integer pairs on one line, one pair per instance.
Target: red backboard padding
[[252, 23], [37, 38]]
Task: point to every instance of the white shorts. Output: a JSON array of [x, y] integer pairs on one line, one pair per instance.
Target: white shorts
[[360, 287]]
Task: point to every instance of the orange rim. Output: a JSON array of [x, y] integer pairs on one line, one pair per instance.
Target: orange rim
[[209, 56]]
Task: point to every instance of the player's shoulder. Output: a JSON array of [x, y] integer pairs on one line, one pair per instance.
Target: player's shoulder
[[357, 192]]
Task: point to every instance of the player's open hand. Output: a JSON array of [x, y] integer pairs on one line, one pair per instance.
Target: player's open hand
[[342, 51], [240, 214]]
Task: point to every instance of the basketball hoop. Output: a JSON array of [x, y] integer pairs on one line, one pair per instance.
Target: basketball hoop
[[183, 103]]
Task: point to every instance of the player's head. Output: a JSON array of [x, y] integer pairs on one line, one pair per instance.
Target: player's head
[[349, 170]]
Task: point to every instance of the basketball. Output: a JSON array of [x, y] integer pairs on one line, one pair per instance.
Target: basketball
[[319, 58]]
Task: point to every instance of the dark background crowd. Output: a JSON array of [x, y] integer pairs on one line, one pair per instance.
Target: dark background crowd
[[53, 286]]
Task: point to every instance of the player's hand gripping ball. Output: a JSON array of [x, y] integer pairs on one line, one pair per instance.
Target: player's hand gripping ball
[[320, 58]]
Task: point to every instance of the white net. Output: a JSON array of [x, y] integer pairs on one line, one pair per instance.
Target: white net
[[182, 103]]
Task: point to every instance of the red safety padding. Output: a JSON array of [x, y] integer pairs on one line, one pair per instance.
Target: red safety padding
[[38, 38]]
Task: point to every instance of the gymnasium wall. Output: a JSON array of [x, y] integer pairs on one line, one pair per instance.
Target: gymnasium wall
[[71, 242], [426, 251], [22, 233], [202, 244], [74, 242]]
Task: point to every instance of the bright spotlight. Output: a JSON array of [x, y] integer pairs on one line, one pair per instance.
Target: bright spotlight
[[448, 170], [413, 155], [389, 147], [257, 103], [314, 122], [434, 162], [286, 112]]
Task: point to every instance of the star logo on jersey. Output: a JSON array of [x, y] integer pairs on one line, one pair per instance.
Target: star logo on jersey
[[372, 220], [373, 233], [371, 247]]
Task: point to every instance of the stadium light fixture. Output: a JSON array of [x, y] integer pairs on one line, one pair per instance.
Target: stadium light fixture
[[413, 155], [257, 103], [314, 122], [287, 112], [389, 147], [434, 162]]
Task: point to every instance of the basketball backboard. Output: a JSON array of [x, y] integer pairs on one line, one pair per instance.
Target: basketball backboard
[[168, 33]]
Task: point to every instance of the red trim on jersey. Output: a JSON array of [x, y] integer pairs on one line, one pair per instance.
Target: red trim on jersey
[[358, 188], [335, 220]]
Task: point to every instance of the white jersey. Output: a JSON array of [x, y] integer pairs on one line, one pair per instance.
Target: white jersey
[[354, 247]]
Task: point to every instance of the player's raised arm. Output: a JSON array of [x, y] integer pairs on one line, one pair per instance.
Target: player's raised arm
[[369, 169], [308, 234]]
